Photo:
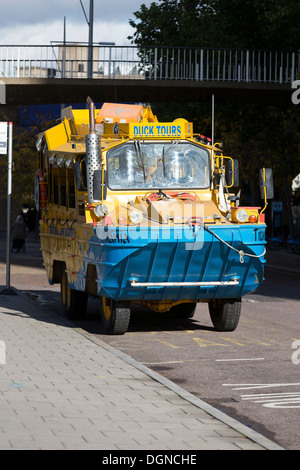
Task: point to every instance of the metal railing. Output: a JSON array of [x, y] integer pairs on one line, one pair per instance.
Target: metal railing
[[152, 63]]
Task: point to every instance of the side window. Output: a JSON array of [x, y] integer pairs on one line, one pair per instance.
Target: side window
[[71, 186], [63, 187], [55, 181], [50, 188]]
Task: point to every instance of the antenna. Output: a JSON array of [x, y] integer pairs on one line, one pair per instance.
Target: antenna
[[212, 134], [90, 23], [212, 120], [64, 51]]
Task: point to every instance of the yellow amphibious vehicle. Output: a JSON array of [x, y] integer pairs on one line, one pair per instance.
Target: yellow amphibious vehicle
[[140, 212]]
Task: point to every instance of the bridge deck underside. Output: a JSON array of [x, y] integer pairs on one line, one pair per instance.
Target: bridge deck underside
[[26, 91]]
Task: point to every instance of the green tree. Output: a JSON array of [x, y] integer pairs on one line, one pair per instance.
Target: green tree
[[251, 24], [25, 158], [257, 135], [172, 23], [256, 24]]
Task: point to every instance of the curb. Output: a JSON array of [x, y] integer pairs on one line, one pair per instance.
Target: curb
[[219, 415], [184, 394]]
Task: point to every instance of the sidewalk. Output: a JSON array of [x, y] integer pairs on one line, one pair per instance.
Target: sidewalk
[[62, 388]]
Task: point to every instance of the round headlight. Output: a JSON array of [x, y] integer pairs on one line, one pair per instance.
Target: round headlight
[[100, 210], [241, 215], [135, 217]]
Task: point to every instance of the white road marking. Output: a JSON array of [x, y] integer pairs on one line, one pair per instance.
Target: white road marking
[[242, 359], [270, 400], [161, 363], [251, 386], [259, 396]]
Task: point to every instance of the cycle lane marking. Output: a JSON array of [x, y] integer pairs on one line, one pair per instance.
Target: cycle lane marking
[[275, 400]]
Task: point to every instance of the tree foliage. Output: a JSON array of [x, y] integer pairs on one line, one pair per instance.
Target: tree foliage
[[250, 24], [24, 154], [258, 135]]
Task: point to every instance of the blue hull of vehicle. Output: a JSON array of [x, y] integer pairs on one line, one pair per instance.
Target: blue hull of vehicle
[[171, 255]]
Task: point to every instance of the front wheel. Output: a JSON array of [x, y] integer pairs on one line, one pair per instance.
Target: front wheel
[[225, 313], [115, 316], [74, 302]]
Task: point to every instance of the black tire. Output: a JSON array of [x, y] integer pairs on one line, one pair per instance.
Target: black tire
[[184, 310], [225, 313], [74, 302], [115, 316]]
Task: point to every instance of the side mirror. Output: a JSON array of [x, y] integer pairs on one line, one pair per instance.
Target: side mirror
[[232, 176], [266, 185]]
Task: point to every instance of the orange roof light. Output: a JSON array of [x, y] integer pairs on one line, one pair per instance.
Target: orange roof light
[[114, 112]]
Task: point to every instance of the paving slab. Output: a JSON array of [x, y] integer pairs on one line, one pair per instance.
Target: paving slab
[[64, 388]]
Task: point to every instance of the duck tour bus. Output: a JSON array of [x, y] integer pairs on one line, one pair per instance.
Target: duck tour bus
[[138, 212]]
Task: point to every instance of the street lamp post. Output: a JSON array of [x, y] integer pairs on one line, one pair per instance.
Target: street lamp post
[[91, 27], [8, 290], [90, 23]]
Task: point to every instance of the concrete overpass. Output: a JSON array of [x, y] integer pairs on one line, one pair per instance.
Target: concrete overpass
[[58, 74], [27, 91]]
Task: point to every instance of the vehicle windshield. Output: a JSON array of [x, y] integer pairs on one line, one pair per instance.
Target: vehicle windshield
[[150, 165]]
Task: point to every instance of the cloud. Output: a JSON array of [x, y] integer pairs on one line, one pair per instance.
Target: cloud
[[41, 21], [31, 12], [38, 34]]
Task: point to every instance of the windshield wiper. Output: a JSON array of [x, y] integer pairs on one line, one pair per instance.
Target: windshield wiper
[[163, 162], [171, 146], [139, 157], [164, 155]]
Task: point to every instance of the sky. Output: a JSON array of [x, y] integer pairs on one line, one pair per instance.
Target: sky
[[38, 22]]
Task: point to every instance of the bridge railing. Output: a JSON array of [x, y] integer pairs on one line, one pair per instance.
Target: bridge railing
[[153, 63]]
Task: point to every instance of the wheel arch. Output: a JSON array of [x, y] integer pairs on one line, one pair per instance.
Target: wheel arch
[[58, 269], [91, 280]]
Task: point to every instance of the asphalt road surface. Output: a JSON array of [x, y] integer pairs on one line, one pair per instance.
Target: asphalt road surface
[[252, 374]]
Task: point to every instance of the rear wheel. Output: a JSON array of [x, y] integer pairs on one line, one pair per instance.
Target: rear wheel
[[115, 316], [74, 302], [225, 313]]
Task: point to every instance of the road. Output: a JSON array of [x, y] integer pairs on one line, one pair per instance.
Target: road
[[252, 374]]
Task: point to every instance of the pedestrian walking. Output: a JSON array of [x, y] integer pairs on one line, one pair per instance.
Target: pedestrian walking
[[18, 234]]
